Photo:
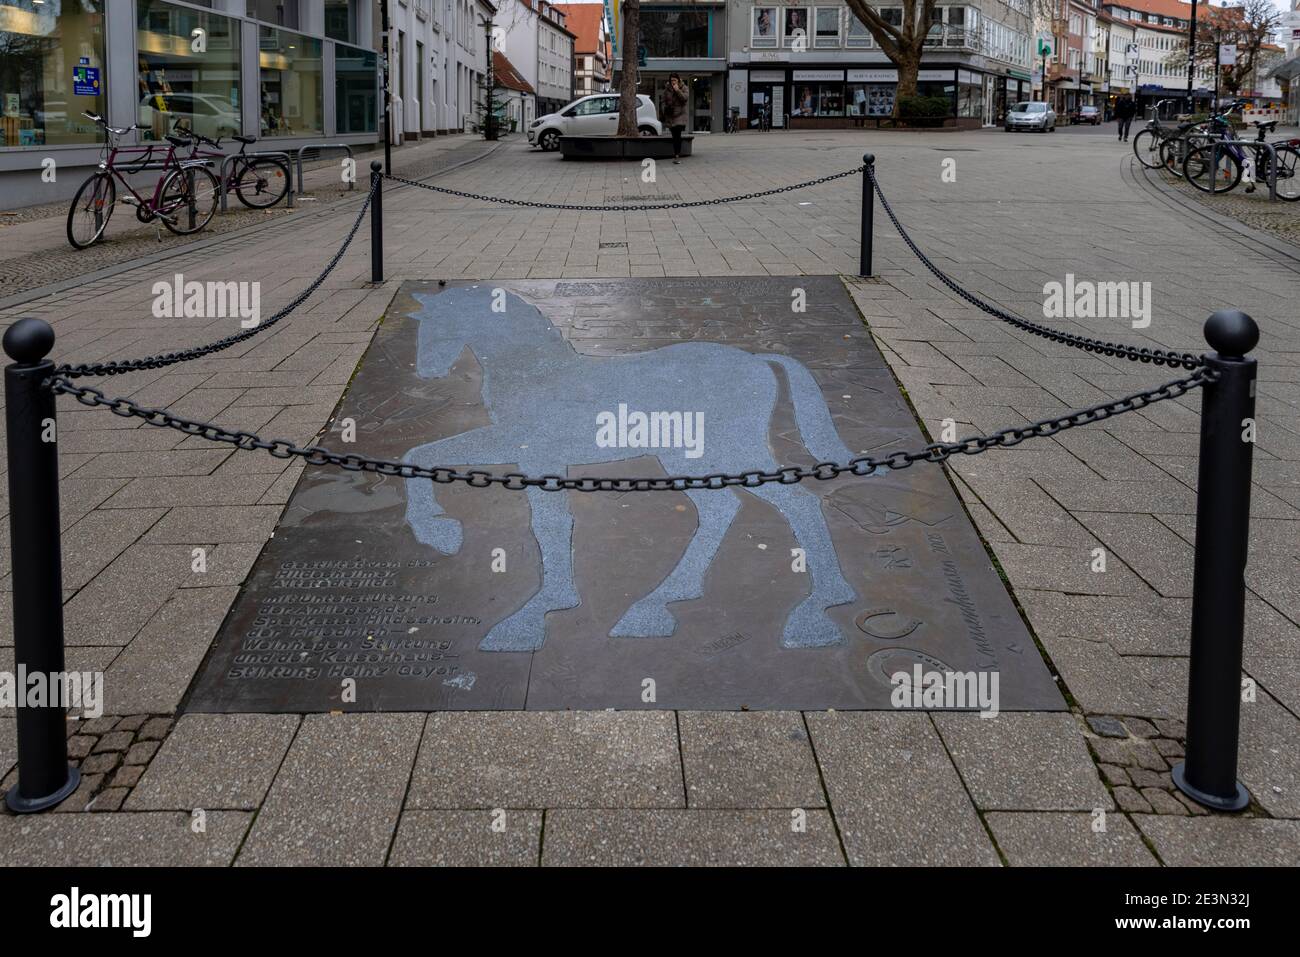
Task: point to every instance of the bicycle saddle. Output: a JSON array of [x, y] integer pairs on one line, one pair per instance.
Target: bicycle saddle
[[1267, 126], [246, 140], [178, 140]]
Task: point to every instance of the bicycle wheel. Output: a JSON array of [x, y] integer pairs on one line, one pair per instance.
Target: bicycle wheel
[[1288, 173], [1202, 171], [90, 210], [1146, 147], [188, 200], [261, 182]]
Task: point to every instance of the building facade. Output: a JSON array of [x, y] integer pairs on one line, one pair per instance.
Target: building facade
[[816, 65], [290, 73], [533, 35], [591, 51]]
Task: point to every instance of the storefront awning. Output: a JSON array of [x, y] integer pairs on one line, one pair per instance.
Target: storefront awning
[[1287, 69]]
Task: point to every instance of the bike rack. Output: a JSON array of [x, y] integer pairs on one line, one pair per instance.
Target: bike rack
[[352, 183], [1217, 139], [275, 154]]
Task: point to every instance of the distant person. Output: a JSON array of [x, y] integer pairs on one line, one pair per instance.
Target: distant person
[[674, 113], [1125, 109]]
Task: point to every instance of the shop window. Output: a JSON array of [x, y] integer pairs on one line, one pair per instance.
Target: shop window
[[188, 70], [51, 71], [870, 99], [805, 100], [830, 99], [355, 99], [289, 83], [763, 28], [826, 23]]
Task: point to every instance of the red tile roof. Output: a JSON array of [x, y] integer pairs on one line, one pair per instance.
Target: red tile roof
[[507, 75], [583, 20]]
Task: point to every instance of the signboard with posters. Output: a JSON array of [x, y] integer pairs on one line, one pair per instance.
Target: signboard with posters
[[1227, 54]]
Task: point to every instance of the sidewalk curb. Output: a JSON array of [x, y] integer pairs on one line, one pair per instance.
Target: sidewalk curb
[[107, 272]]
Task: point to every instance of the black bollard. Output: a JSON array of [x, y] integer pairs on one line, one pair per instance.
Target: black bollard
[[868, 214], [1208, 774], [44, 777], [377, 222]]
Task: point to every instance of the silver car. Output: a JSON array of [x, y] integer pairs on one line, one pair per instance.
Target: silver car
[[595, 115], [1031, 115]]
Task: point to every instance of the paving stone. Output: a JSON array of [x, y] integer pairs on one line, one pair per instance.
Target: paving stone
[[1130, 799], [98, 725], [1215, 841], [1146, 756], [692, 838], [132, 722], [100, 763], [126, 776], [1163, 802], [109, 799], [492, 838], [141, 752], [336, 798], [155, 729], [1113, 774], [1144, 778], [1168, 749], [1141, 727], [114, 741], [1023, 761], [1171, 727], [548, 759], [1067, 840], [216, 761], [154, 671], [896, 797], [1192, 807], [740, 759], [120, 840], [1100, 679], [80, 745], [80, 798], [1107, 727], [1268, 761]]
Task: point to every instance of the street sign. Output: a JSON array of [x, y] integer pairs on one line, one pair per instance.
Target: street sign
[[1044, 46], [1227, 54]]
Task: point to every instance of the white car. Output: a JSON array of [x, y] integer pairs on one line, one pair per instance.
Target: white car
[[204, 113], [1031, 115], [595, 115]]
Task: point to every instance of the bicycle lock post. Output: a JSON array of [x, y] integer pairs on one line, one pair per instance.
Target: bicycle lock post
[[1208, 774], [44, 777], [868, 214], [376, 221]]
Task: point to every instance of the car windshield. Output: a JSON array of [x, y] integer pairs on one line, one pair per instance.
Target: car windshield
[[1029, 108]]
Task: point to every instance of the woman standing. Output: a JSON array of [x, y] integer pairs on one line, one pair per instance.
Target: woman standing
[[674, 112]]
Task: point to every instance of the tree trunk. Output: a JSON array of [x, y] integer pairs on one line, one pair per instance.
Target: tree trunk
[[627, 80], [909, 64]]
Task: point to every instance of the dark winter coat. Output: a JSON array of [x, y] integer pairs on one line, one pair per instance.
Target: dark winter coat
[[1125, 108], [674, 108]]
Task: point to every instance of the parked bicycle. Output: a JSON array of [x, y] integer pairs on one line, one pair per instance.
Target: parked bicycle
[[184, 198], [259, 181], [1151, 144], [1218, 166]]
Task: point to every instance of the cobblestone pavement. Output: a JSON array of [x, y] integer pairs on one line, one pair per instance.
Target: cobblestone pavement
[[664, 787]]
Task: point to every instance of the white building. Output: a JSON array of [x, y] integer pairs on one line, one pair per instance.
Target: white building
[[438, 61], [535, 39]]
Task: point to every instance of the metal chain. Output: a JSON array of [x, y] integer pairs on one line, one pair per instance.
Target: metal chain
[[640, 207], [1160, 357], [156, 362], [862, 465]]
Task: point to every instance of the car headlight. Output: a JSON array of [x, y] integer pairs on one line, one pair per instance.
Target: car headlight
[[534, 124]]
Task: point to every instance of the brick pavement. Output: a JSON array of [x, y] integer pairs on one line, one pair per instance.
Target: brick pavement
[[706, 787]]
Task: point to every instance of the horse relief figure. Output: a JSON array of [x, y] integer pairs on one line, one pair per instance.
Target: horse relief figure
[[553, 410]]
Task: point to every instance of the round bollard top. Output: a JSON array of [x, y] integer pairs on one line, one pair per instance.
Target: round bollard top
[[1231, 334], [29, 340], [376, 166], [869, 159]]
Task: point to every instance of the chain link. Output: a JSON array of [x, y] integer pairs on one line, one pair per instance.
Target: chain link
[[1160, 357], [862, 465], [640, 207], [198, 352]]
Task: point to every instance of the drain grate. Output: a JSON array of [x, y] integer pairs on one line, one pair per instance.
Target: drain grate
[[613, 245]]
